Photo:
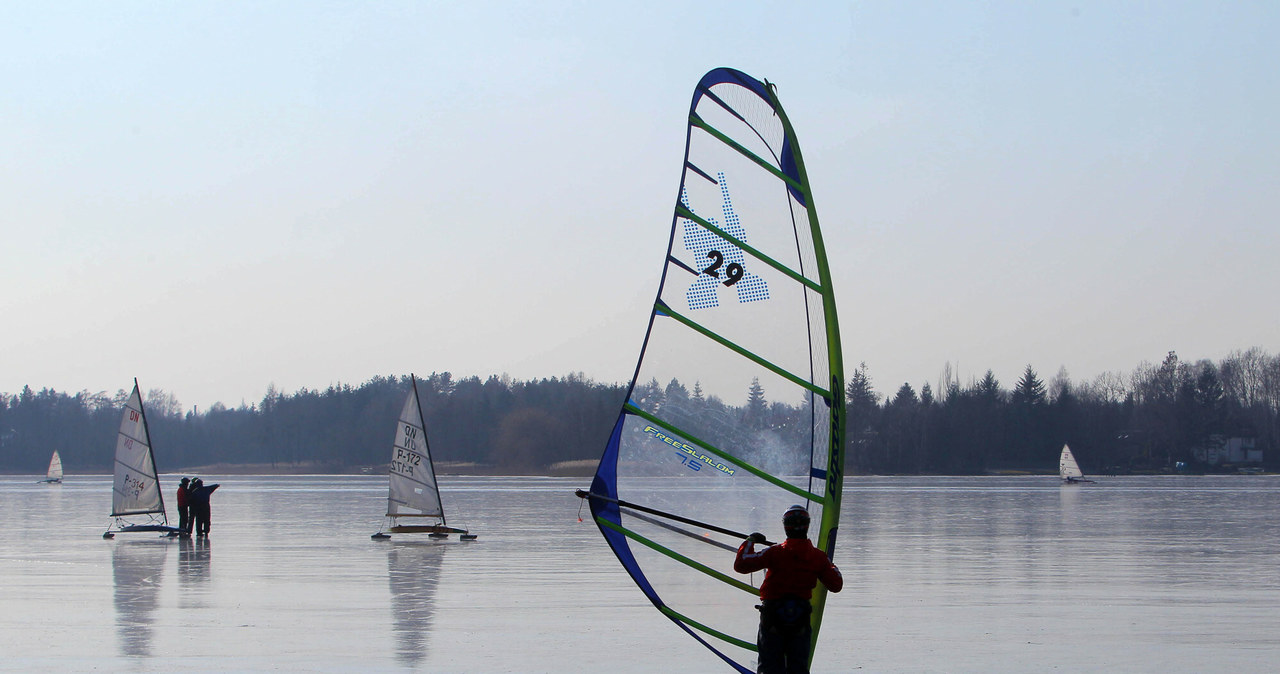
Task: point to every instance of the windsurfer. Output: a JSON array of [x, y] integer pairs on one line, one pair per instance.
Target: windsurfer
[[793, 570]]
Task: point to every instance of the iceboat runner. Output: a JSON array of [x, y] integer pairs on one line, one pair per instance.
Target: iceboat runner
[[413, 495], [137, 504], [736, 408]]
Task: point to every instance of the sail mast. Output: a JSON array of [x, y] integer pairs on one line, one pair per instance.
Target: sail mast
[[835, 359], [151, 451], [417, 400]]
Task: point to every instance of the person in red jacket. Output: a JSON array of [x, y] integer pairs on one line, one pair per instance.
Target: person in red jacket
[[184, 507], [794, 569]]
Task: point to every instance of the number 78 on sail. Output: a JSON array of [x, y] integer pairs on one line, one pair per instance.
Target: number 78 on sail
[[736, 408]]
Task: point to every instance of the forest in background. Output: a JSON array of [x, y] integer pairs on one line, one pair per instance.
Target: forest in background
[[1148, 420]]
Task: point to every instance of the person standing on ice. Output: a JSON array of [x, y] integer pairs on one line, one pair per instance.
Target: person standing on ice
[[200, 510], [184, 506], [793, 570]]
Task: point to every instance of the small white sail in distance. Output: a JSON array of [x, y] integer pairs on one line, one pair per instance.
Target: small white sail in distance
[[55, 468], [1068, 469]]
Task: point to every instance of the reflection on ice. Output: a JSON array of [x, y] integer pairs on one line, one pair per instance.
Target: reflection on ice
[[194, 558], [413, 569], [137, 569]]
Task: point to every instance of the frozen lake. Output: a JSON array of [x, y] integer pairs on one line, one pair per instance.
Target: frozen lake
[[979, 574]]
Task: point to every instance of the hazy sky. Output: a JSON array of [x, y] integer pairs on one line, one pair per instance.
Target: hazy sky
[[215, 197]]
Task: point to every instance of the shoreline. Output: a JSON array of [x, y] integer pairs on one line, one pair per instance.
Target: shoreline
[[582, 468]]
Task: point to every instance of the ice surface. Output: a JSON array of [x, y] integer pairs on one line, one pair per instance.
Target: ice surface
[[1153, 574]]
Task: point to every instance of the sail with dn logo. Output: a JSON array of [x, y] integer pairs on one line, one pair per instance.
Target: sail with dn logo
[[413, 495], [137, 504]]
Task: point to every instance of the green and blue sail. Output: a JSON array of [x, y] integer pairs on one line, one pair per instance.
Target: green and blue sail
[[736, 409]]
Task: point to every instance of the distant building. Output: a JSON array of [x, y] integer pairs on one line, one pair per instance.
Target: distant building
[[1219, 450]]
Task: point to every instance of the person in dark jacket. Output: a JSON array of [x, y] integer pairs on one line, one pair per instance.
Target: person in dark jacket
[[184, 507], [199, 498], [794, 569]]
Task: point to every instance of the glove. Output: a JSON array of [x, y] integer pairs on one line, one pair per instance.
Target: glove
[[757, 537]]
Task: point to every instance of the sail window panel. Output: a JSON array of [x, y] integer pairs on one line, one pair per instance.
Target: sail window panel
[[804, 240], [742, 502], [746, 201], [703, 599], [754, 126], [773, 327], [649, 452], [819, 355], [694, 360], [713, 216], [724, 436]]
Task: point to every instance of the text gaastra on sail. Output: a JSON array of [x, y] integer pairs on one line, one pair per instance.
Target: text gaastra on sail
[[736, 408], [413, 496]]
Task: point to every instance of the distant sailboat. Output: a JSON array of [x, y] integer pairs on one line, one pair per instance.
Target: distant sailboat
[[136, 502], [412, 491], [1068, 469], [55, 469]]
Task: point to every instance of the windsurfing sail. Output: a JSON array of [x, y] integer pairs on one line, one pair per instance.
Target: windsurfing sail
[[136, 501], [736, 408], [413, 495], [1068, 469], [54, 474]]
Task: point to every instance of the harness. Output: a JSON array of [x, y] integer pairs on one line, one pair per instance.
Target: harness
[[787, 616]]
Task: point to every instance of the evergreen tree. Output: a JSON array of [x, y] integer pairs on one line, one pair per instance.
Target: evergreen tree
[[904, 397], [1028, 422], [861, 405], [1030, 390], [989, 389], [676, 389], [757, 407]]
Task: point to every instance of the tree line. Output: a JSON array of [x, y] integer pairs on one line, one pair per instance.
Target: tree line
[[1148, 420], [517, 426]]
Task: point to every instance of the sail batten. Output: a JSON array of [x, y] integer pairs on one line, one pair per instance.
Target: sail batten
[[740, 643], [727, 456], [689, 215], [702, 173], [701, 538], [735, 411], [698, 122], [733, 582], [668, 311]]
